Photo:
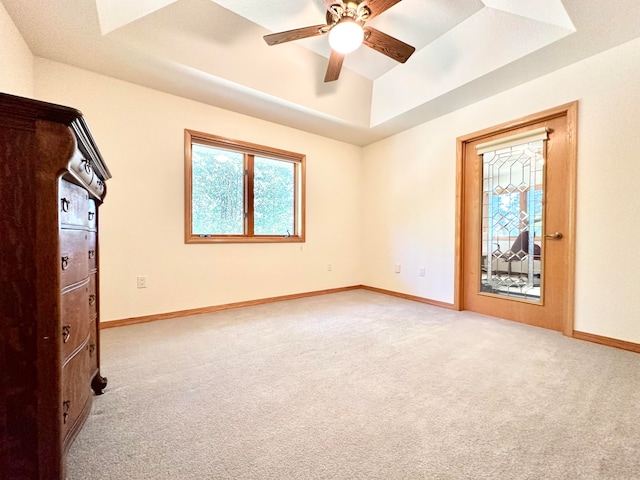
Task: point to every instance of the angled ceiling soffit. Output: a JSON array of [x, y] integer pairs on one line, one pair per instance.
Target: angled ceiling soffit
[[502, 32], [227, 49]]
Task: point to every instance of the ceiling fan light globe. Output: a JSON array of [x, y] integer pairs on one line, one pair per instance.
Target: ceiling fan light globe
[[346, 36]]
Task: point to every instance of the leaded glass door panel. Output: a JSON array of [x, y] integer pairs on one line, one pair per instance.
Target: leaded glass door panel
[[511, 231]]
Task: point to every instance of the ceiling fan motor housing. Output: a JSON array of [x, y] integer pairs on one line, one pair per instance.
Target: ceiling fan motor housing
[[356, 10]]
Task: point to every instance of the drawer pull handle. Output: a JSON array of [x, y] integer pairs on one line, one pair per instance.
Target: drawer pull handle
[[66, 333], [65, 262], [92, 349], [92, 253], [92, 300], [66, 406], [91, 215], [64, 204]]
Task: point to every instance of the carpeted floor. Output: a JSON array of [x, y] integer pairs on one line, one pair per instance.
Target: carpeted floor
[[358, 385]]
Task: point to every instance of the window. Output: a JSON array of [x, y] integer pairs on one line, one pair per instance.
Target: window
[[240, 192]]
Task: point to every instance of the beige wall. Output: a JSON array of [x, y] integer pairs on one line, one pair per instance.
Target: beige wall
[[409, 191], [16, 60], [368, 209], [140, 133]]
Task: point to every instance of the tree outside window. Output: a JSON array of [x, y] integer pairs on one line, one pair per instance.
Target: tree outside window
[[241, 192]]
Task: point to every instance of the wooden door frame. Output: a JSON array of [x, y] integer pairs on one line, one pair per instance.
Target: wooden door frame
[[570, 110]]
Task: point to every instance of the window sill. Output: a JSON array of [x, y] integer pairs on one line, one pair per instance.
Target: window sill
[[243, 239]]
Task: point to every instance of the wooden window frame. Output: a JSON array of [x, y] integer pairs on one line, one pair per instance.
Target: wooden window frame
[[250, 151]]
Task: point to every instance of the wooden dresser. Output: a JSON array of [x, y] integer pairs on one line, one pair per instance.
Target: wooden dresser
[[51, 186]]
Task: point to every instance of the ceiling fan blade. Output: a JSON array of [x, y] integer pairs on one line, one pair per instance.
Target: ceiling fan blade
[[335, 65], [290, 35], [379, 6], [387, 45]]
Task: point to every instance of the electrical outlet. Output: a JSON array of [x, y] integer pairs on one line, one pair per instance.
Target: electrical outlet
[[422, 272], [329, 268], [397, 268], [142, 281]]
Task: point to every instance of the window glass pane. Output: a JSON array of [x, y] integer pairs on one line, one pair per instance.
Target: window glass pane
[[273, 187], [217, 191]]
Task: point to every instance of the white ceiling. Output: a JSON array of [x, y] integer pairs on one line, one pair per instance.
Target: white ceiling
[[212, 51]]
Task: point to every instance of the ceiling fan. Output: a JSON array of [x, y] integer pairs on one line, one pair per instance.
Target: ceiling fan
[[345, 24]]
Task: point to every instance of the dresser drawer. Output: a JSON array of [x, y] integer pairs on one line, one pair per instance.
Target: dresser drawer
[[72, 204], [76, 392], [74, 256], [75, 318]]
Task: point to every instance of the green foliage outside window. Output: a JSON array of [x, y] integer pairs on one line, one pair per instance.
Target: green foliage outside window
[[239, 194], [218, 191], [273, 197]]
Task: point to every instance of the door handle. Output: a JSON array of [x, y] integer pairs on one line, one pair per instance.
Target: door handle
[[555, 236]]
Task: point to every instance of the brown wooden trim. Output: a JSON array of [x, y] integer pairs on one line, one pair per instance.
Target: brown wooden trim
[[458, 285], [570, 110], [435, 303], [188, 185], [249, 159], [228, 306], [589, 337], [216, 308], [246, 239], [249, 150], [244, 147], [610, 342], [301, 200], [554, 112]]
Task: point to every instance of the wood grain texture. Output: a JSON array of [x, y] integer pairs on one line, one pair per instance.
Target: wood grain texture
[[37, 143], [557, 309], [334, 67], [18, 376], [380, 6], [387, 45], [295, 34]]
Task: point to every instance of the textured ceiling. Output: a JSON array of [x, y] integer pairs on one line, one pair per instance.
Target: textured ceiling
[[212, 51]]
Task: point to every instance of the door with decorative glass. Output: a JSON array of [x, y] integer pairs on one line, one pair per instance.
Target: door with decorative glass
[[516, 204]]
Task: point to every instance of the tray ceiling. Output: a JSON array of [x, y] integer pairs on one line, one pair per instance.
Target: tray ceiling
[[212, 51]]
